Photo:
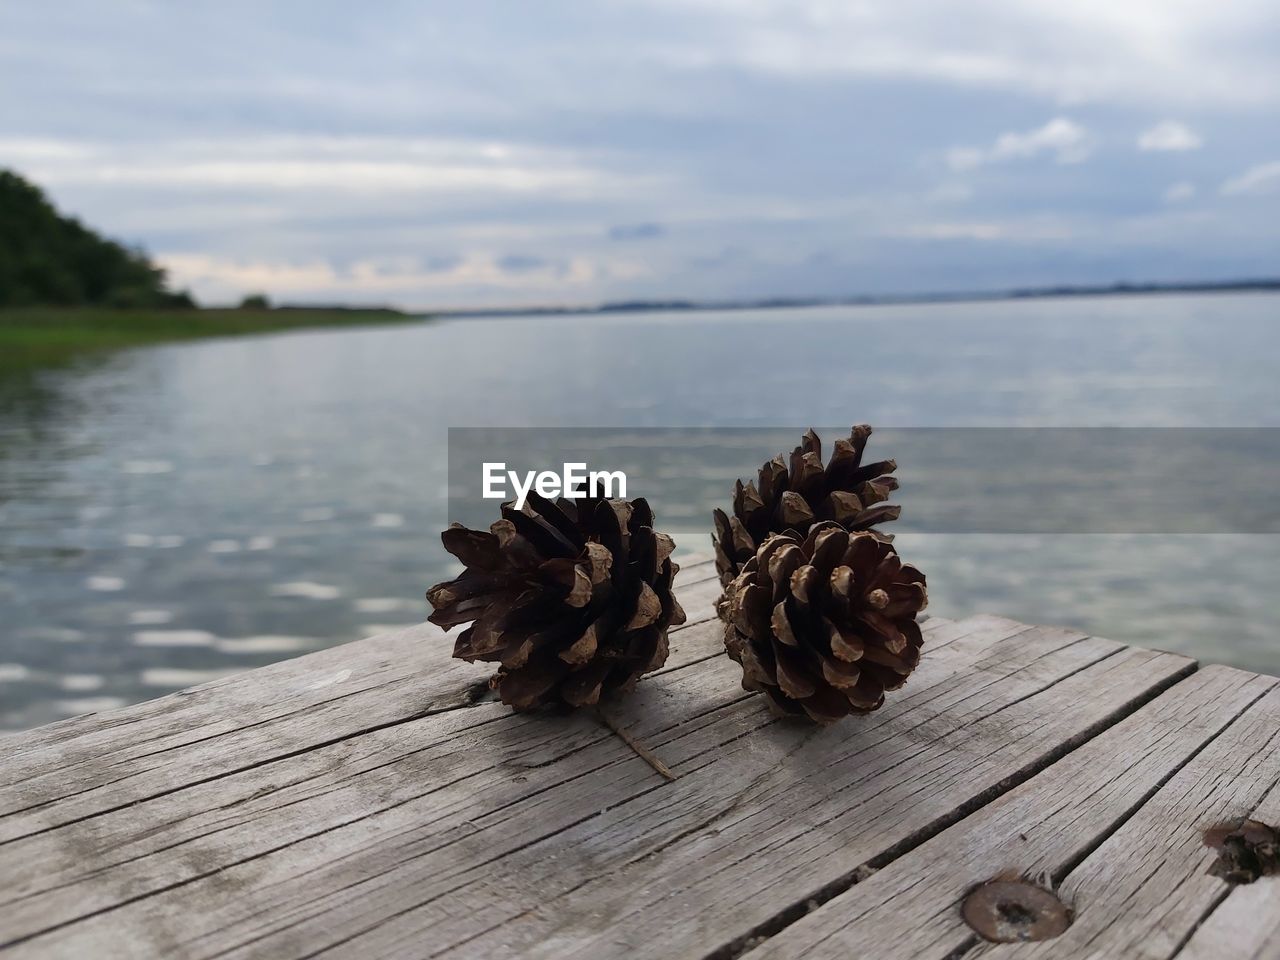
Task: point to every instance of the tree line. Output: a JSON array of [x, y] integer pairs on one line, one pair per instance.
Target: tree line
[[47, 259]]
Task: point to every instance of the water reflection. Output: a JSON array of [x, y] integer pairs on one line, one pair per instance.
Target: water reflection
[[171, 514]]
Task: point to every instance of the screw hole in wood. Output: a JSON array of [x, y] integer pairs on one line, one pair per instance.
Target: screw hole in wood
[[1247, 850], [1014, 911]]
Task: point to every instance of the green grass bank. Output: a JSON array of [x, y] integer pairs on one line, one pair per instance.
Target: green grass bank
[[31, 338]]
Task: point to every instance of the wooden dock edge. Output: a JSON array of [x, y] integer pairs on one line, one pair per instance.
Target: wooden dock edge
[[370, 800]]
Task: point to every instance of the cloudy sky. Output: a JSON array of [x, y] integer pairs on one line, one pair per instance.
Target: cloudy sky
[[478, 153]]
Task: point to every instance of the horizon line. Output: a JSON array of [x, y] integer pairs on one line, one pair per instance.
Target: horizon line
[[1048, 291]]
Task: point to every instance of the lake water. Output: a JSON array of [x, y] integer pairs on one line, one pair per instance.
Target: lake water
[[172, 514]]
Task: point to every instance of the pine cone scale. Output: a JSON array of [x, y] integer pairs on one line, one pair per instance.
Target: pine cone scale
[[798, 493], [584, 687], [793, 676], [582, 650], [840, 674], [528, 686], [824, 625], [573, 599], [476, 549]]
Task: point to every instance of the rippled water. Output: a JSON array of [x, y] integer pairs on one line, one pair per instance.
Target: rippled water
[[171, 514]]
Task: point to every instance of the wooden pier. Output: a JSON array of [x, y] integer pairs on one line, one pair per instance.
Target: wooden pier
[[369, 801]]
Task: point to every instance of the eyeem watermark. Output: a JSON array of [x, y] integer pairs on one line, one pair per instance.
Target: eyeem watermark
[[573, 482]]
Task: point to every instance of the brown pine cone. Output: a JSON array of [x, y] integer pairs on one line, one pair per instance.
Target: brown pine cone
[[824, 624], [573, 598], [794, 498]]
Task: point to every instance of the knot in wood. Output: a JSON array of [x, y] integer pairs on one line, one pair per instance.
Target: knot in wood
[[1012, 911]]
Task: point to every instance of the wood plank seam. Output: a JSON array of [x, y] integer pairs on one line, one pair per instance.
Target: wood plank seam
[[267, 852], [720, 814], [709, 749], [500, 717], [1186, 858], [468, 696], [1060, 875], [278, 758], [723, 707], [700, 573], [508, 852], [995, 679], [770, 773], [923, 891], [1210, 908], [974, 944], [594, 771], [797, 910], [412, 907], [1265, 810], [321, 745], [1039, 690]]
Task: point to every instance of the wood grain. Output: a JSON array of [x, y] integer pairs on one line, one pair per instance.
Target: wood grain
[[1038, 830], [759, 818], [372, 801], [1147, 888], [816, 813], [57, 874], [79, 768], [1246, 924]]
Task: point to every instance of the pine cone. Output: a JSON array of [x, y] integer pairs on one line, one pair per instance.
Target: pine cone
[[824, 624], [846, 491], [572, 598]]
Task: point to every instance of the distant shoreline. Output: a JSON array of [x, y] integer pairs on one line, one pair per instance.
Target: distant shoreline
[[38, 337], [979, 296]]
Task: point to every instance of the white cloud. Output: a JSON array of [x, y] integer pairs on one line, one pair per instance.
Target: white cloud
[[1064, 139], [363, 165], [1139, 51], [195, 133], [955, 231], [965, 158], [218, 279], [1260, 179], [1179, 192], [1169, 135], [1028, 230]]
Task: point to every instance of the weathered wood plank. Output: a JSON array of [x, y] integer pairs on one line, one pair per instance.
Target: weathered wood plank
[[754, 824], [1145, 890], [464, 761], [257, 688], [1246, 926], [911, 908], [79, 768], [60, 874], [798, 821]]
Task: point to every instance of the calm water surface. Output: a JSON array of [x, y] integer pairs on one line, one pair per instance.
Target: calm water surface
[[172, 514]]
